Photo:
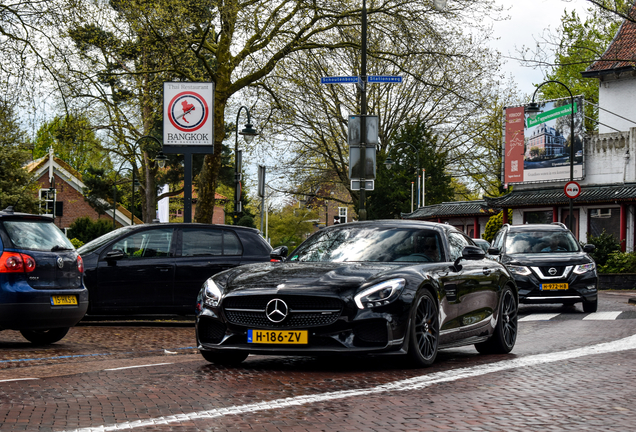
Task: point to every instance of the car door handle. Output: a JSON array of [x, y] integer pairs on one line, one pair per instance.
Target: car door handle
[[164, 269], [487, 271]]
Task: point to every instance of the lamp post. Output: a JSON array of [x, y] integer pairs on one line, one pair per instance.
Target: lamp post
[[132, 202], [389, 163], [248, 135], [532, 109]]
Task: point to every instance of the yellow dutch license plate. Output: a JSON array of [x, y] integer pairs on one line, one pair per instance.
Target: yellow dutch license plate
[[61, 300], [554, 287], [294, 337]]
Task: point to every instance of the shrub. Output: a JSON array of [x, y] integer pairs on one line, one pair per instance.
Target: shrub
[[605, 244], [619, 262], [85, 229], [77, 243], [494, 224]]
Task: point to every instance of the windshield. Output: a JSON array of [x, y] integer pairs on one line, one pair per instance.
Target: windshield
[[37, 235], [102, 240], [371, 244], [541, 242]]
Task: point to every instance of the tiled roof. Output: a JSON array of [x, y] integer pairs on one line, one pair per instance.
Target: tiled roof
[[620, 54], [556, 196], [451, 209]]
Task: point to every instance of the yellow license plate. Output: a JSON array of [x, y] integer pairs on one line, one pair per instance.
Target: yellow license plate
[[294, 337], [554, 287], [63, 300]]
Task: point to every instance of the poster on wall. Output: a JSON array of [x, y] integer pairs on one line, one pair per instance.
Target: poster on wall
[[538, 150]]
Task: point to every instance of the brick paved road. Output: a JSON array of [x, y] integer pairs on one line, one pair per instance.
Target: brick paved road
[[75, 389]]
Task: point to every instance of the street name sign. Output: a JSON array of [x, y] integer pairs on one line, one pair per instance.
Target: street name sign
[[340, 80], [384, 79]]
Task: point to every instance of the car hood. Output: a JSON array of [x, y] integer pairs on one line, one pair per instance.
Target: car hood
[[323, 278], [548, 259]]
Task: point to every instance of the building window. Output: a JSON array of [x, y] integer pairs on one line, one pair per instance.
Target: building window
[[47, 201], [538, 217], [342, 213], [605, 219]]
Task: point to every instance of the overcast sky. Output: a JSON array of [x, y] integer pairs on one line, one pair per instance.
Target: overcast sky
[[528, 20]]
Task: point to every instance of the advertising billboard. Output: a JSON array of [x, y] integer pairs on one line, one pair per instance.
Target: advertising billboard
[[188, 114], [538, 150]]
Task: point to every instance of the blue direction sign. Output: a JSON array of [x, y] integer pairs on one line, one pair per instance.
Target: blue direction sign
[[339, 80], [384, 79]]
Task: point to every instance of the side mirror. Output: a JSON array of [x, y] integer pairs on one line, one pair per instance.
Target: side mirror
[[469, 253], [279, 254], [493, 251], [473, 253], [589, 248], [115, 254]]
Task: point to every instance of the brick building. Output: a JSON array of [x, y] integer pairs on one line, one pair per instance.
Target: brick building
[[65, 200]]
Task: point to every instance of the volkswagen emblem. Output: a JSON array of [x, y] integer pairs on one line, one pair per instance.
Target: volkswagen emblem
[[60, 262], [552, 271], [276, 310]]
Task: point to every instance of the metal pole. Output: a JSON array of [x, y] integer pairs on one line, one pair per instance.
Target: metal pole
[[423, 187], [114, 200], [132, 203], [571, 215], [362, 213], [412, 197], [237, 169]]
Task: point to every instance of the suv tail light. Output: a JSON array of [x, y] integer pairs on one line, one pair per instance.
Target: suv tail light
[[80, 264], [14, 262]]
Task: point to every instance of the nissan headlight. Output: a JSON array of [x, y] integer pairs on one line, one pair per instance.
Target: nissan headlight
[[519, 270], [380, 294], [211, 293], [584, 268]]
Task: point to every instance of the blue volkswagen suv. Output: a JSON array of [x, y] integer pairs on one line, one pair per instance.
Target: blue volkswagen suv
[[42, 292]]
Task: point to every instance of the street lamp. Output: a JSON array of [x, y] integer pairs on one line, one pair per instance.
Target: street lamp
[[389, 163], [532, 109], [161, 159], [248, 135], [135, 183]]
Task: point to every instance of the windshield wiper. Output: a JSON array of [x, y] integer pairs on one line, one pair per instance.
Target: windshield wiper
[[59, 248]]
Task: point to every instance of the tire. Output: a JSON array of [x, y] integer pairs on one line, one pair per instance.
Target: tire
[[504, 337], [591, 306], [424, 330], [229, 358], [45, 337]]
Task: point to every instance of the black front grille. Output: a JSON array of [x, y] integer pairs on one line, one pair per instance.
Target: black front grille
[[304, 311], [546, 271], [211, 331], [371, 332]]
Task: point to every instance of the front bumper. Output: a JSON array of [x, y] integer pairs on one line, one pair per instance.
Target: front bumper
[[369, 332], [581, 288]]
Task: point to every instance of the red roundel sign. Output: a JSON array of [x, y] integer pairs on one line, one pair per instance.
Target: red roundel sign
[[188, 111], [572, 189]]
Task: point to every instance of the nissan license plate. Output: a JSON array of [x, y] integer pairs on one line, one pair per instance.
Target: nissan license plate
[[554, 286], [295, 337], [60, 300]]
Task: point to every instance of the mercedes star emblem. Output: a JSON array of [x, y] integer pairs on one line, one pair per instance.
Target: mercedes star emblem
[[60, 262], [276, 310], [552, 271]]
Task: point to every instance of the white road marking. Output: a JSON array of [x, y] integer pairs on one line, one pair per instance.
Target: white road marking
[[139, 366], [416, 383], [603, 316], [539, 317], [18, 379]]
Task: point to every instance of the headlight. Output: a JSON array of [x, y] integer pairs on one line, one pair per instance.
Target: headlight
[[380, 294], [584, 268], [212, 293], [519, 270]]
